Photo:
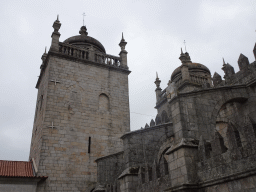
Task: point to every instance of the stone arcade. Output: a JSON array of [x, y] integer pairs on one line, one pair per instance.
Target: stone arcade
[[203, 138]]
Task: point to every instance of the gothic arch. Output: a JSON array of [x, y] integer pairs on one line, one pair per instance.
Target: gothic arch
[[222, 102], [218, 106]]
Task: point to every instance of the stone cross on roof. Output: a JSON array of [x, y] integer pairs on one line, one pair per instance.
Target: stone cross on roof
[[83, 18]]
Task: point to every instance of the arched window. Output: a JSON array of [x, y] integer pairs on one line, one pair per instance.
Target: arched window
[[237, 137], [103, 102]]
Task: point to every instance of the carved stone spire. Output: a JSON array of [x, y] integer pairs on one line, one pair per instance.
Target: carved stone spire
[[158, 88], [228, 70], [184, 57], [43, 58], [123, 53], [157, 81], [55, 35], [122, 43]]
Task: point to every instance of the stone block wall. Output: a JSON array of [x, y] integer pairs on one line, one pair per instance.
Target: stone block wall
[[38, 127], [141, 147], [89, 110]]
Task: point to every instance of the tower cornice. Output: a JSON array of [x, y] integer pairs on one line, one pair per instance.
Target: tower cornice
[[82, 61]]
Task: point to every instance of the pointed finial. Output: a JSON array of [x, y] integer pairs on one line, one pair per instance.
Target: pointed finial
[[122, 43], [156, 75], [223, 61], [181, 50], [57, 17], [45, 50]]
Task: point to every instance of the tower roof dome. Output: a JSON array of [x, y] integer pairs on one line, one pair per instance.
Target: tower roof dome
[[83, 40], [191, 67]]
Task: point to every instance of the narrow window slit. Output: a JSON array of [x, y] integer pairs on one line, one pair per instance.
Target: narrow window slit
[[89, 145]]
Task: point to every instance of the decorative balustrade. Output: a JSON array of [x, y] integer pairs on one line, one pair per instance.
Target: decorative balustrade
[[198, 79], [178, 81], [89, 55]]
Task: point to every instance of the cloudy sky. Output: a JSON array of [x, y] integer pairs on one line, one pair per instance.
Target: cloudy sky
[[154, 29]]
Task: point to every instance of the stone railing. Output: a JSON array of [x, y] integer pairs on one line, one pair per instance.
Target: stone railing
[[198, 79], [89, 55]]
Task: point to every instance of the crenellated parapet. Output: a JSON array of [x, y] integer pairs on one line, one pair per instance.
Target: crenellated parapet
[[246, 73]]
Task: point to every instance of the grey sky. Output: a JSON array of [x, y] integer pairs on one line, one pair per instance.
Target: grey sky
[[154, 30]]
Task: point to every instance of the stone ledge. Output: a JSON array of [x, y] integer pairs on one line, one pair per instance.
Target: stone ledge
[[184, 143], [68, 57]]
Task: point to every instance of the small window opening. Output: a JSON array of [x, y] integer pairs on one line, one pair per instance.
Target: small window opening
[[89, 145], [238, 139]]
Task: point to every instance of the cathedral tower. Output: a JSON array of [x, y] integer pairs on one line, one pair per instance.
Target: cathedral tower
[[82, 110]]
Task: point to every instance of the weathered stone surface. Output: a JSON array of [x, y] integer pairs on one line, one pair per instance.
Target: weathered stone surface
[[203, 138]]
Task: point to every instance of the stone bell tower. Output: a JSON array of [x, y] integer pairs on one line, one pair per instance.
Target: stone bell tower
[[82, 111]]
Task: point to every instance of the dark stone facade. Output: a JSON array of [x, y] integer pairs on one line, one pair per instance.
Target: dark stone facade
[[203, 138]]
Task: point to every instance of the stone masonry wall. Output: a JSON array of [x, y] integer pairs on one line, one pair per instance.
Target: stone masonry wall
[[37, 133], [80, 123]]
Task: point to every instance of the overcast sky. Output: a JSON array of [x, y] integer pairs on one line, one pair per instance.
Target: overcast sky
[[155, 31]]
